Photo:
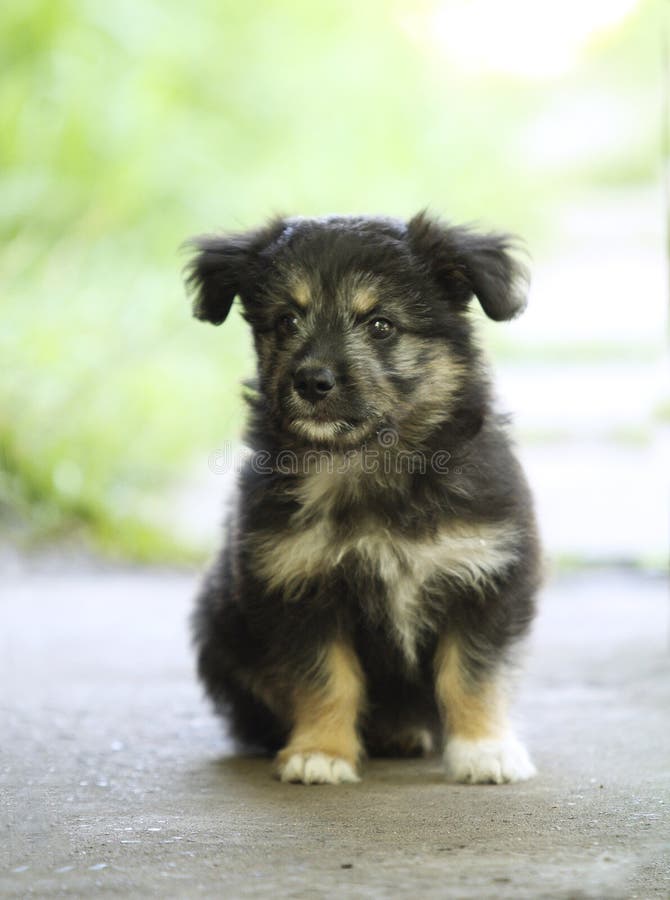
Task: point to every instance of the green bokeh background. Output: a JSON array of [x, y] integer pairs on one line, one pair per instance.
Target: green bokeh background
[[125, 127]]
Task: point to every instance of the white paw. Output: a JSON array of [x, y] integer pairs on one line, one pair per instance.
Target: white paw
[[487, 761], [317, 768]]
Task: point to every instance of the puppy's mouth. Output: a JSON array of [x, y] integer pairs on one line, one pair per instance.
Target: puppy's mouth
[[327, 423], [322, 430]]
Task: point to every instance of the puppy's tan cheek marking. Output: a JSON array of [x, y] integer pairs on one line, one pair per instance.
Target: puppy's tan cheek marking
[[324, 717], [469, 711], [444, 372]]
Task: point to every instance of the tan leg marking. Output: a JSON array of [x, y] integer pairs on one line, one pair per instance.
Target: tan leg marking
[[324, 745], [481, 747], [468, 710]]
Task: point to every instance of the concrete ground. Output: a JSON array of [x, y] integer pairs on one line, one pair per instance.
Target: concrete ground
[[116, 780]]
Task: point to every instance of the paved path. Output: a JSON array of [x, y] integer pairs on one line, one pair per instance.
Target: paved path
[[115, 779]]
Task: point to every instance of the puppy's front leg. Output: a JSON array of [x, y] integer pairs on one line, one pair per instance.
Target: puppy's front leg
[[324, 746], [481, 746]]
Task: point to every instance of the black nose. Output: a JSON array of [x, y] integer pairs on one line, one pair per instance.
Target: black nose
[[313, 383]]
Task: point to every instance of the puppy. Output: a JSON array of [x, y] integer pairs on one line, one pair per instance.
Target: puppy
[[381, 561]]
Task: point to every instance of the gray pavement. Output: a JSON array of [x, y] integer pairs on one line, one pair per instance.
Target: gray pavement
[[116, 779]]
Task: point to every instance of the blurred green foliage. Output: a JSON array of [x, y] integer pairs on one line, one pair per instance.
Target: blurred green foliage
[[126, 127]]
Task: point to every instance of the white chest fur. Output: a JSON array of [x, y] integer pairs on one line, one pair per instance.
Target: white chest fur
[[466, 552]]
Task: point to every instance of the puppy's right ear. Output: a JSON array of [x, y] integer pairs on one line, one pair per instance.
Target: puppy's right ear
[[224, 265]]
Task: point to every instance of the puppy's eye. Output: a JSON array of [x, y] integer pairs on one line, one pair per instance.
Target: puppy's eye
[[287, 324], [381, 328]]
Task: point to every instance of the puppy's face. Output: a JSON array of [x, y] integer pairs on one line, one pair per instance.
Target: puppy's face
[[359, 323]]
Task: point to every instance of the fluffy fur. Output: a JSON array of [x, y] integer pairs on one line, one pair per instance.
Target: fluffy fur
[[381, 560]]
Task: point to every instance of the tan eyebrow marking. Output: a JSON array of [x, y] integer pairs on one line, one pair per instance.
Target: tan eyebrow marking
[[364, 299], [301, 292]]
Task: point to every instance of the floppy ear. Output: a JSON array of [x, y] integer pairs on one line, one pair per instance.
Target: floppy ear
[[466, 263], [223, 266]]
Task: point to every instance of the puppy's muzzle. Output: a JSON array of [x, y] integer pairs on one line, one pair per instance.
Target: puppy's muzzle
[[313, 383]]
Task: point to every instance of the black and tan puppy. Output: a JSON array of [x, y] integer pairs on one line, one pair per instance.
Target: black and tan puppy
[[381, 561]]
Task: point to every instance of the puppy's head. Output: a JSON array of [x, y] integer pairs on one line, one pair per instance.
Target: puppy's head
[[359, 323]]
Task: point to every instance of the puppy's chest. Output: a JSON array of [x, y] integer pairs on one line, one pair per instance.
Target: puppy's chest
[[310, 549]]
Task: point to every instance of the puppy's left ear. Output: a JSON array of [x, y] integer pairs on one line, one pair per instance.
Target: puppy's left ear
[[223, 266], [466, 262]]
